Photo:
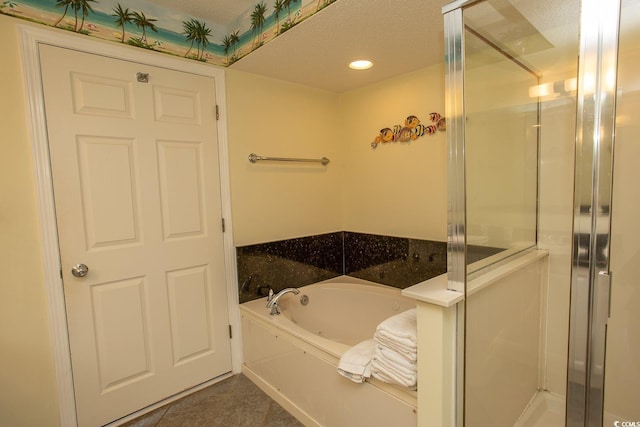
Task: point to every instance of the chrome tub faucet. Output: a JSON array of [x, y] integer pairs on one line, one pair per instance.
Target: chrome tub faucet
[[272, 300]]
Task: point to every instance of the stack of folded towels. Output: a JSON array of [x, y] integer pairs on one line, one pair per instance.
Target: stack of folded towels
[[391, 355], [395, 353]]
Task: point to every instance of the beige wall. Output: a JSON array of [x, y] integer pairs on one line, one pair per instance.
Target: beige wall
[[274, 201], [397, 189], [28, 395]]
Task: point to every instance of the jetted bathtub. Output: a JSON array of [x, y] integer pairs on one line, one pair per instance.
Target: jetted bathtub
[[294, 356]]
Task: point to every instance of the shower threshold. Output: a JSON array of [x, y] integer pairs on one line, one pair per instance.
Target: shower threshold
[[545, 410]]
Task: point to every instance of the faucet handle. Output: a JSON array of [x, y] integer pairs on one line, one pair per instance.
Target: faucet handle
[[270, 296]]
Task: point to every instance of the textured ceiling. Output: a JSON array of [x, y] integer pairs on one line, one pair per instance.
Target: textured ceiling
[[399, 36]]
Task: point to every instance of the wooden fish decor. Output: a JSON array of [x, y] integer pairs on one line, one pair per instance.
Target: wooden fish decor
[[411, 130]]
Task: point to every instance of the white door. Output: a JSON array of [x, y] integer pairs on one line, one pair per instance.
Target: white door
[[134, 159]]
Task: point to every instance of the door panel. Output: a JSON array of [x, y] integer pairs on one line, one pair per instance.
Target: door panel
[[122, 332], [179, 166], [101, 96], [137, 194], [177, 106], [188, 296], [109, 196]]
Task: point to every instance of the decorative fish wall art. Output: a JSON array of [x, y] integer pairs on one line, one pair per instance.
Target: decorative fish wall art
[[411, 130]]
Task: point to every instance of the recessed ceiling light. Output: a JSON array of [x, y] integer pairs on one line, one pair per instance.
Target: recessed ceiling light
[[361, 64]]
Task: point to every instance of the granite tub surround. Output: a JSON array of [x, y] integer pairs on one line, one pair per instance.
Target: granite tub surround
[[393, 261], [363, 251], [288, 263]]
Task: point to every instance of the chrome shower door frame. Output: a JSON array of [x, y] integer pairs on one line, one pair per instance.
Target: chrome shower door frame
[[590, 275], [456, 185]]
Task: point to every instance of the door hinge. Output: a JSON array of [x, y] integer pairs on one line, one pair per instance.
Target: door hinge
[[224, 228], [217, 112], [230, 333], [61, 274]]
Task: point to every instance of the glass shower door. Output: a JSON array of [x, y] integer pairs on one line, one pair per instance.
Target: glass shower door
[[622, 364], [590, 229], [501, 154], [511, 116]]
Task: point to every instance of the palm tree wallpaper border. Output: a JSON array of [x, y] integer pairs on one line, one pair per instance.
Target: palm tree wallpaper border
[[145, 25]]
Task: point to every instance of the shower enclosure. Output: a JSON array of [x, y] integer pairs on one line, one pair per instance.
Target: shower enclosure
[[543, 112]]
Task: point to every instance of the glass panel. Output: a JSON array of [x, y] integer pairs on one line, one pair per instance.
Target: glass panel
[[501, 132], [622, 374], [501, 155], [520, 69]]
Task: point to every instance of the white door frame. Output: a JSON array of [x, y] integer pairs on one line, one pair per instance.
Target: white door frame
[[30, 38]]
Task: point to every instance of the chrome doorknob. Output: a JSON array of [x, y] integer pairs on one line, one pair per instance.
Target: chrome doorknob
[[79, 270]]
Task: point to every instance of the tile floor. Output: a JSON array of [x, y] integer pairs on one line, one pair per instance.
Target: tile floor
[[235, 402]]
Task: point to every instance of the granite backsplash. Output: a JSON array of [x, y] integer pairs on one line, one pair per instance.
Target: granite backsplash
[[392, 261]]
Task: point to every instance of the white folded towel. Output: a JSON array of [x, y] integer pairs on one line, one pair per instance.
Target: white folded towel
[[401, 328], [396, 350], [411, 385], [395, 358], [409, 351], [383, 364], [393, 373], [355, 363]]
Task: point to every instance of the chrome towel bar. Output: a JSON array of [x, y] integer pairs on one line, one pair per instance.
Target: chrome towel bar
[[254, 158]]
